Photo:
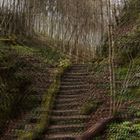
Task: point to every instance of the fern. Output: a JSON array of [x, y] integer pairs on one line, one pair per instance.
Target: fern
[[124, 131]]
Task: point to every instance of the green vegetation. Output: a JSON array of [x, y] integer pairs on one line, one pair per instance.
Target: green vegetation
[[126, 51], [24, 50], [131, 12], [90, 107], [134, 92], [124, 131], [72, 35], [16, 83], [15, 86]]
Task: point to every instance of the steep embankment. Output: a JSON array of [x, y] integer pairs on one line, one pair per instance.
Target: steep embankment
[[25, 75]]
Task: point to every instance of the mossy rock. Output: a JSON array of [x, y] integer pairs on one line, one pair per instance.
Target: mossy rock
[[90, 107]]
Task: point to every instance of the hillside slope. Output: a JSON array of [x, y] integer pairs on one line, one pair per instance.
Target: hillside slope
[[25, 75], [127, 70]]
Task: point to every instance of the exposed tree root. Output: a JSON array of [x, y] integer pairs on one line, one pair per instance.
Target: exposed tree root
[[96, 129]]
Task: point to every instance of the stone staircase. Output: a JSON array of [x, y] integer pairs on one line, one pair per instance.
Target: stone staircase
[[66, 121]]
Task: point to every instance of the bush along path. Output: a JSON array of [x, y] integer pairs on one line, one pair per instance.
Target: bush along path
[[66, 120]]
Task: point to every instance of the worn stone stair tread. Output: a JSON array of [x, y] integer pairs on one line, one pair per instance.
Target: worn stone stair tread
[[62, 136], [70, 117], [65, 79], [73, 83], [75, 91], [67, 104], [66, 126], [65, 111], [78, 67], [66, 100], [79, 70], [75, 86], [80, 64], [69, 99], [76, 73], [69, 96], [75, 77]]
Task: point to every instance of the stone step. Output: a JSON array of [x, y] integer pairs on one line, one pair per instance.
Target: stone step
[[67, 105], [71, 83], [64, 96], [80, 64], [68, 121], [78, 68], [66, 100], [57, 129], [74, 76], [66, 126], [66, 79], [66, 118], [73, 87], [63, 136], [76, 73], [65, 112], [72, 91]]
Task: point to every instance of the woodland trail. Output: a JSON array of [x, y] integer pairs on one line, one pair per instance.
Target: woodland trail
[[66, 121]]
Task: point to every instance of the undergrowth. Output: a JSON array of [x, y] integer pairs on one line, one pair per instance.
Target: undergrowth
[[15, 87], [124, 131], [16, 84]]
